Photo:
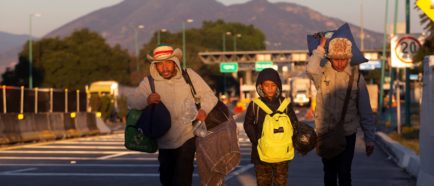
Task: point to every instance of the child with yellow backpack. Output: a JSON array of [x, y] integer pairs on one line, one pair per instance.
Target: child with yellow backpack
[[269, 125]]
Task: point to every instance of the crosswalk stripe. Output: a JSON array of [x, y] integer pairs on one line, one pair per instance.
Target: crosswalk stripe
[[66, 158], [63, 152], [113, 156], [79, 165], [78, 147]]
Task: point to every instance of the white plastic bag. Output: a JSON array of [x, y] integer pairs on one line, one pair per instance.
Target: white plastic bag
[[199, 129]]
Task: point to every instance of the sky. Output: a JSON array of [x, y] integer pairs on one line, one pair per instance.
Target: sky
[[15, 14]]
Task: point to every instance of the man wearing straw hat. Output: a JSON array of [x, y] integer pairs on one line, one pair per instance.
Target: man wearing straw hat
[[177, 146]]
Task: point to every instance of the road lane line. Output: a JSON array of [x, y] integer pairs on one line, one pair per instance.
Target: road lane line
[[89, 174], [69, 158], [120, 136], [78, 147], [63, 152], [90, 143], [113, 156], [18, 171], [238, 172], [78, 165]]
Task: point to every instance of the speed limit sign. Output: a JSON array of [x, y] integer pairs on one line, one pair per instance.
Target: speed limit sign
[[403, 49]]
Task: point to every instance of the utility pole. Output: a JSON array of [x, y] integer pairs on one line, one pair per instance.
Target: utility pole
[[362, 24], [407, 70], [383, 58]]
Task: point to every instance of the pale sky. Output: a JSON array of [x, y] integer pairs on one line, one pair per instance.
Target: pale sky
[[14, 14]]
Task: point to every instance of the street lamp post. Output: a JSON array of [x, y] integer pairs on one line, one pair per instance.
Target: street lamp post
[[136, 44], [224, 40], [235, 40], [30, 49], [159, 36], [183, 42], [224, 49]]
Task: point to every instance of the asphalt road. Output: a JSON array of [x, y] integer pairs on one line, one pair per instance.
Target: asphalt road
[[103, 160]]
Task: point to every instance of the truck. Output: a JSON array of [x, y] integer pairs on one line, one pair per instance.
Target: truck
[[104, 88], [300, 91]]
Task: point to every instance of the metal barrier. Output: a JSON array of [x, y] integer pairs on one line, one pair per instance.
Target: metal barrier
[[42, 114], [37, 100], [47, 126], [426, 132]]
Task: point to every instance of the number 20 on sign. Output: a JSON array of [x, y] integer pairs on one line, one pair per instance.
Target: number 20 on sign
[[403, 49]]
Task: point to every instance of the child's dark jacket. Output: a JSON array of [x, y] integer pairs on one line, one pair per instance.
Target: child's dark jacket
[[255, 116]]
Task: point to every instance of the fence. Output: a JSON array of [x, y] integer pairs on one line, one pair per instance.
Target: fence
[[42, 100]]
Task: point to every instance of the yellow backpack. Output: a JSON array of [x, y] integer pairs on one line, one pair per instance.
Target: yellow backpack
[[275, 144]]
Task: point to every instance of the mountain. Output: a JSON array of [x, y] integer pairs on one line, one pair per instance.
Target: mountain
[[284, 24], [10, 45], [9, 41]]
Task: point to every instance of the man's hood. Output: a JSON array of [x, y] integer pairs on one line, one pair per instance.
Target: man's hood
[[271, 75], [154, 72]]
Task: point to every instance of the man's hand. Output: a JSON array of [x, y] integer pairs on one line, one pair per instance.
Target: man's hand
[[201, 115], [369, 148], [153, 98], [322, 39]]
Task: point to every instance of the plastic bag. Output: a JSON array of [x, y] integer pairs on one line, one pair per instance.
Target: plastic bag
[[199, 129], [190, 111]]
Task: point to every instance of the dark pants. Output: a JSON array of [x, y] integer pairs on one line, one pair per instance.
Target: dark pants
[[340, 166], [272, 174], [176, 165]]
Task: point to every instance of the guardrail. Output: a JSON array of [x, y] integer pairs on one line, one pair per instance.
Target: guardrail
[[48, 126]]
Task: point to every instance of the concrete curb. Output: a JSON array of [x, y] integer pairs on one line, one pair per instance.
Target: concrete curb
[[403, 157]]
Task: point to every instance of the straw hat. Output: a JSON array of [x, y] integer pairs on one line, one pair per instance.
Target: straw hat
[[162, 53]]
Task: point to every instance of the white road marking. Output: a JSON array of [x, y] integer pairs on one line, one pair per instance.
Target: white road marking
[[90, 142], [113, 156], [78, 165], [78, 147], [88, 174], [63, 152], [69, 158], [17, 171], [239, 171]]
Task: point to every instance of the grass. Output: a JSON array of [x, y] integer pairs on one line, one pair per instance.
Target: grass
[[409, 138]]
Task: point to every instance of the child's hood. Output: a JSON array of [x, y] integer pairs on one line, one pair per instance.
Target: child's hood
[[271, 75]]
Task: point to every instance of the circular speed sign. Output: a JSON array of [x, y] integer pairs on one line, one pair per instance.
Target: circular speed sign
[[406, 48]]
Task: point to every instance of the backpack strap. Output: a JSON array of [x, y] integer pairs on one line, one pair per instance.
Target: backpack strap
[[347, 98], [262, 105], [151, 83], [284, 105], [192, 89], [256, 112]]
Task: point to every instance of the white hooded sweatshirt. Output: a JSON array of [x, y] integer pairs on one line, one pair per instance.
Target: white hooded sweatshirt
[[173, 93]]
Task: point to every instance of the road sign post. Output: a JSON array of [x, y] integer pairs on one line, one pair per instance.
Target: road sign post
[[403, 48]]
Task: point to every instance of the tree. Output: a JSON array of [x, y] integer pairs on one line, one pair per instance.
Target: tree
[[209, 38], [428, 46], [72, 62]]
